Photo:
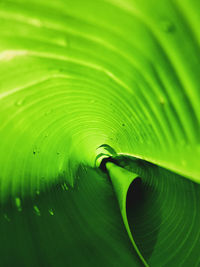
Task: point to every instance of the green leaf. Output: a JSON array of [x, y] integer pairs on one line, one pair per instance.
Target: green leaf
[[82, 81]]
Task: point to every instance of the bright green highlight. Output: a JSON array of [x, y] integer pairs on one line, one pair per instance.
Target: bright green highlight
[[72, 74]]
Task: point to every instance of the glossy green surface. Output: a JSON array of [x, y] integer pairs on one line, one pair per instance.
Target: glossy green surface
[[82, 80]]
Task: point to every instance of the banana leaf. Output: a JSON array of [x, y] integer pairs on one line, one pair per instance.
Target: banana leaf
[[99, 133]]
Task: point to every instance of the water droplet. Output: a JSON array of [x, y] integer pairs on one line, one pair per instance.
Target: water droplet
[[51, 212], [162, 101], [64, 187], [36, 210], [6, 217], [19, 102], [18, 203], [167, 26], [36, 150], [123, 124], [37, 192]]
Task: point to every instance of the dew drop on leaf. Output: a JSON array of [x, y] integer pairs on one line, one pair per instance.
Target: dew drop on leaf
[[51, 212], [162, 101], [36, 150], [64, 187], [36, 210], [19, 102], [18, 203]]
